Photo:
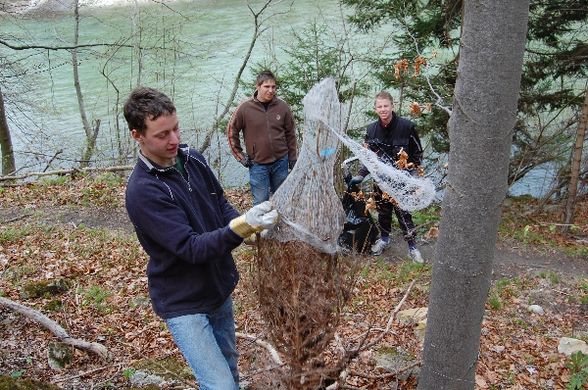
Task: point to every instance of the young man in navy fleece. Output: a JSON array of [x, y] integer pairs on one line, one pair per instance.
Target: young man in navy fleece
[[188, 229]]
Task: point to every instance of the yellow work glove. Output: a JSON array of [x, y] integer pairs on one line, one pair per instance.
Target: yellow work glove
[[260, 217]]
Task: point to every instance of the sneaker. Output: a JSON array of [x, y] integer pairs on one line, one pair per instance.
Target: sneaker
[[379, 246], [415, 255]]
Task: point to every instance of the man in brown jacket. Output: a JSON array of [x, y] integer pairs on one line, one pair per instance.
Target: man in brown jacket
[[268, 131]]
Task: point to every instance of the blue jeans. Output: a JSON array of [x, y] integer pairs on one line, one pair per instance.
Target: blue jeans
[[207, 341], [266, 177]]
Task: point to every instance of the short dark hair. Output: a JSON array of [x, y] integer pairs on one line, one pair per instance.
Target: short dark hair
[[384, 95], [146, 103], [264, 76]]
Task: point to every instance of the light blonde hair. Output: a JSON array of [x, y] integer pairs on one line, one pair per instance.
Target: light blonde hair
[[384, 95]]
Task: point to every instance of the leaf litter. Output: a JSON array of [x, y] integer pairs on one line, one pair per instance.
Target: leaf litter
[[107, 301]]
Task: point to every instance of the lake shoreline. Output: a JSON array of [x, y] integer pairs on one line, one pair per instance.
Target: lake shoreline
[[51, 8]]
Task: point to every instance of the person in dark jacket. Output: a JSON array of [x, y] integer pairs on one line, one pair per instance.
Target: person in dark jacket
[[268, 130], [387, 137], [188, 229]]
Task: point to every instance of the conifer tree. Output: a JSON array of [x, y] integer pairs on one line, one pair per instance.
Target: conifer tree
[[551, 90]]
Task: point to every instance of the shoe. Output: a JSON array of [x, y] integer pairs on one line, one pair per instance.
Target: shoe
[[415, 255], [379, 246]]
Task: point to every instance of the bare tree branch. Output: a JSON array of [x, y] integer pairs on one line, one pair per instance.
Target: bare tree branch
[[81, 46], [65, 47], [439, 101], [257, 31]]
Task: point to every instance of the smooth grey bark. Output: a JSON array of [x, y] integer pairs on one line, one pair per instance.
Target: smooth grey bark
[[575, 166], [480, 134], [7, 152]]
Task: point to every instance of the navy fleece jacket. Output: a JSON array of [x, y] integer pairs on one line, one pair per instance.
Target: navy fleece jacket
[[182, 223]]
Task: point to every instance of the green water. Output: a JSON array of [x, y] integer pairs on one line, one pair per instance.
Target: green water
[[192, 51]]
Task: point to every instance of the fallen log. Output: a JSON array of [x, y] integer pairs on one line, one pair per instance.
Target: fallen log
[[55, 328], [61, 172]]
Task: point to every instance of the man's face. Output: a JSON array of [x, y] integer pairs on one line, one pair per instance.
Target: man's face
[[266, 91], [384, 109], [161, 139]]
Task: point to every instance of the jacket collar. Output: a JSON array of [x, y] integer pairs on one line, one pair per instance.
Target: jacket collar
[[152, 167], [392, 123]]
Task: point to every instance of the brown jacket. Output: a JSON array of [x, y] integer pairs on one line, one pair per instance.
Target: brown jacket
[[268, 134]]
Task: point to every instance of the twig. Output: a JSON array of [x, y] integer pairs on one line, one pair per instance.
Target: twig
[[561, 292], [82, 374], [52, 158], [351, 354], [386, 374], [439, 101], [392, 317], [18, 218], [388, 325], [261, 370], [272, 351], [556, 224]]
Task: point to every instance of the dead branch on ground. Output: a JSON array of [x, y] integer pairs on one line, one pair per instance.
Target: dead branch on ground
[[72, 171], [363, 346], [55, 328], [271, 349]]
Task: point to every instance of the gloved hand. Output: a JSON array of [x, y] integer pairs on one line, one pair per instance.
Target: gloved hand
[[356, 180], [252, 239], [291, 164], [246, 161], [260, 217]]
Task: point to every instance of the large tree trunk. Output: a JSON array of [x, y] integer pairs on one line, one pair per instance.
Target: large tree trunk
[[7, 153], [575, 166], [480, 133]]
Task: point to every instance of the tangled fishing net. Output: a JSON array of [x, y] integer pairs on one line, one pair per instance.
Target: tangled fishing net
[[303, 282]]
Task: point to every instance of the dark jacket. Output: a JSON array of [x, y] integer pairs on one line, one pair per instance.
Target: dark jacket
[[269, 134], [182, 223], [387, 141]]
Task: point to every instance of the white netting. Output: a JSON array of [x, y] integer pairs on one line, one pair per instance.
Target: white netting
[[410, 192], [309, 207]]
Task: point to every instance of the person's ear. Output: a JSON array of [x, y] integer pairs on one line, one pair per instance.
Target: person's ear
[[136, 135]]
